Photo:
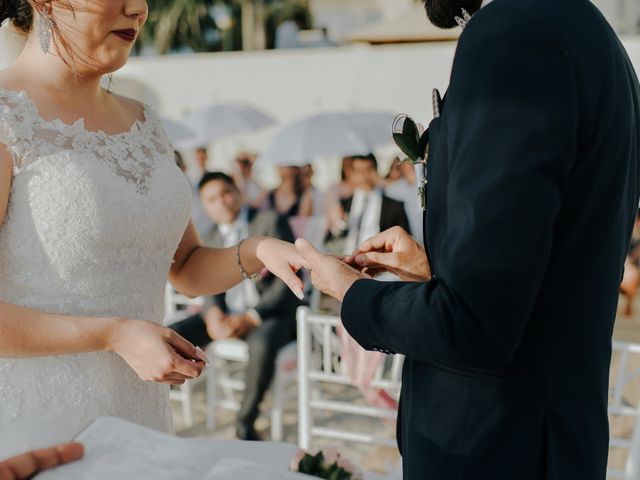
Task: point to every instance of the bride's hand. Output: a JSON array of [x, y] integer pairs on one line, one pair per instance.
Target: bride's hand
[[155, 353], [283, 260]]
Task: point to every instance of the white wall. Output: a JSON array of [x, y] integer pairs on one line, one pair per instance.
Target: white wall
[[624, 15], [292, 84]]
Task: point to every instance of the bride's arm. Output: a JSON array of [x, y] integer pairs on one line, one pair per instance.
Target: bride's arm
[[154, 352], [199, 270], [25, 332]]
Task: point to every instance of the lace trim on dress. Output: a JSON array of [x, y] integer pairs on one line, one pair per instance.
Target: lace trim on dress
[[131, 155]]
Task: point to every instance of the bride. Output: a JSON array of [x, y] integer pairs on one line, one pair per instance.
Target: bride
[[94, 216]]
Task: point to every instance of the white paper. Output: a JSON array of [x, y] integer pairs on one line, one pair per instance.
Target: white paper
[[116, 448], [270, 454], [235, 469]]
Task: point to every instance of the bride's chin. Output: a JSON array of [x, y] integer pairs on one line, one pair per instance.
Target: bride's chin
[[110, 66]]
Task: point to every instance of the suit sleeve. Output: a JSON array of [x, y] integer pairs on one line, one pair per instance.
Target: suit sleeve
[[276, 296], [511, 135]]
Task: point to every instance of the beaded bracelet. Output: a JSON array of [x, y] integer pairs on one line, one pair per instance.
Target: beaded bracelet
[[243, 272]]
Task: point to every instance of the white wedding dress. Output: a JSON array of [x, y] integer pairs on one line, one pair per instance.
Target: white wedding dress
[[92, 226]]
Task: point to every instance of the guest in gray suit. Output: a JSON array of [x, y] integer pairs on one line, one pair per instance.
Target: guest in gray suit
[[260, 311]]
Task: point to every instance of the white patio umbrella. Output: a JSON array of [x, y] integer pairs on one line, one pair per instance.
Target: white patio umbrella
[[177, 132], [216, 122], [329, 134]]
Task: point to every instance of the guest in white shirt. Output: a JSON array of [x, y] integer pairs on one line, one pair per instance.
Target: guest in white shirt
[[252, 192], [368, 211]]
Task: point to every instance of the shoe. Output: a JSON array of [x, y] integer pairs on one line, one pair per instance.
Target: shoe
[[247, 432]]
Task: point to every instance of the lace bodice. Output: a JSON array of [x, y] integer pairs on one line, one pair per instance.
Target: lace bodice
[[91, 229]]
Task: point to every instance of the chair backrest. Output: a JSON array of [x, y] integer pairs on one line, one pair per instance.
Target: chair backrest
[[176, 305], [624, 412], [319, 362]]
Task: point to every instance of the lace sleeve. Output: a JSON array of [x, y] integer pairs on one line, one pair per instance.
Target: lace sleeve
[[152, 118], [8, 136], [5, 141]]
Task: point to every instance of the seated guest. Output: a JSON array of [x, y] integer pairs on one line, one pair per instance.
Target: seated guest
[[261, 311], [405, 190], [631, 279], [334, 213], [368, 211], [306, 173], [288, 198], [194, 175], [252, 193], [394, 174]]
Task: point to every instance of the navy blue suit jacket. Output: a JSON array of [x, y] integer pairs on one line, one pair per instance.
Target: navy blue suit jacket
[[533, 191]]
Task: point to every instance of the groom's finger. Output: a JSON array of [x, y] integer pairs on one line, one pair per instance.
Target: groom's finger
[[309, 253], [376, 259]]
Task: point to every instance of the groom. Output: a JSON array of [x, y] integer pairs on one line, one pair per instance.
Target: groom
[[532, 193]]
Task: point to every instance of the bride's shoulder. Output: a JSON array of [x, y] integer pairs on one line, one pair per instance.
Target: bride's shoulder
[[131, 107]]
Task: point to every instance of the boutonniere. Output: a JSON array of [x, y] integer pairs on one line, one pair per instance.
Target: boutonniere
[[413, 140]]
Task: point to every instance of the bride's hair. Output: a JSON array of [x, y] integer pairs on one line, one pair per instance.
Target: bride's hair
[[21, 13]]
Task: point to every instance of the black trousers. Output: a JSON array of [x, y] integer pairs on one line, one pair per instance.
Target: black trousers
[[264, 343]]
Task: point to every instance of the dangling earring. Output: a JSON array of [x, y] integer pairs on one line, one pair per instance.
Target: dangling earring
[[45, 31], [464, 20]]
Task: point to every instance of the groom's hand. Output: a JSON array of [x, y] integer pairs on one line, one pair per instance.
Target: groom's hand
[[27, 465], [394, 251], [328, 274]]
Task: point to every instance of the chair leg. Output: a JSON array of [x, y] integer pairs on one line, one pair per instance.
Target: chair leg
[[187, 405], [278, 408], [304, 387], [211, 397], [632, 467]]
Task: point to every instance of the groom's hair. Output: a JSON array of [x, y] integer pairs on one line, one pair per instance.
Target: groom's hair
[[219, 176]]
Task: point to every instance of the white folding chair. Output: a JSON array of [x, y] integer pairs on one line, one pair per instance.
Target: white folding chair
[[627, 382], [221, 377], [323, 366], [224, 379], [176, 307]]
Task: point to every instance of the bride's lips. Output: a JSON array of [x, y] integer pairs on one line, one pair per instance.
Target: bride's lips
[[128, 34]]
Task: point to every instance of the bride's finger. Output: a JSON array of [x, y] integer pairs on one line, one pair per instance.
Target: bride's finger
[[183, 346], [187, 367], [173, 382], [176, 377], [289, 277]]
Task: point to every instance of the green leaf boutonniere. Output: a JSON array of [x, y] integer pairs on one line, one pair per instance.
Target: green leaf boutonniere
[[413, 140]]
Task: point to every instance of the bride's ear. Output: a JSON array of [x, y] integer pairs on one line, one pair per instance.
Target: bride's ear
[[41, 6]]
